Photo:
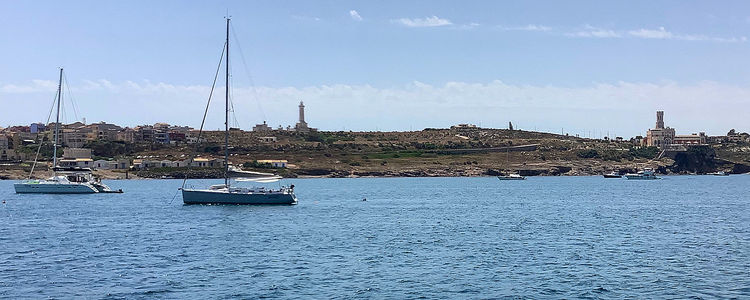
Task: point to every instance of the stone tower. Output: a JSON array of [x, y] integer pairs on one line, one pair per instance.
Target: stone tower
[[301, 112], [659, 119], [301, 125]]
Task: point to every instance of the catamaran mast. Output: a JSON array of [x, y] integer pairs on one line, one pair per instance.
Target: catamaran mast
[[226, 117], [57, 120]]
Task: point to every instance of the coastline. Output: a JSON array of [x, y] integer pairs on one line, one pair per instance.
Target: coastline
[[409, 174]]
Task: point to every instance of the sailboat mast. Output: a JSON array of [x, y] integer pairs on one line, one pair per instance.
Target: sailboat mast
[[226, 117], [57, 120]]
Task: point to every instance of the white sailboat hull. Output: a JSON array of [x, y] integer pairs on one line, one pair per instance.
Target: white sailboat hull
[[191, 196], [54, 188]]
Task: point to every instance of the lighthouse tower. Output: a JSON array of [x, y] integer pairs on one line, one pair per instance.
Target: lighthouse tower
[[301, 124]]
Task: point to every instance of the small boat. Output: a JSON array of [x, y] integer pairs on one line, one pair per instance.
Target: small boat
[[65, 180], [511, 177], [646, 174], [612, 175], [720, 173]]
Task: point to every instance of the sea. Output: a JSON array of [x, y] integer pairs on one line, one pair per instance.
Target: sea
[[386, 238]]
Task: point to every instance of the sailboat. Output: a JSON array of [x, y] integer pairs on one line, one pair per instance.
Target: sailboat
[[228, 194], [66, 180], [510, 176]]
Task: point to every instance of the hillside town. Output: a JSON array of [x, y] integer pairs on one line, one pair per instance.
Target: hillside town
[[105, 146]]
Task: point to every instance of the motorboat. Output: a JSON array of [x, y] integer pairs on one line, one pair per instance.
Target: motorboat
[[612, 175], [511, 177], [646, 174], [720, 173]]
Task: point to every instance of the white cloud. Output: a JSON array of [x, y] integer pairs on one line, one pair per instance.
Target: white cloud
[[433, 21], [35, 86], [530, 27], [659, 33], [643, 33], [471, 25], [625, 108], [355, 15], [305, 18], [594, 32]]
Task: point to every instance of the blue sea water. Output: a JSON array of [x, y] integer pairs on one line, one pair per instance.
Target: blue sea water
[[436, 238]]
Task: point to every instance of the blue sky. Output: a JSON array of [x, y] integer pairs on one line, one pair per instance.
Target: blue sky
[[576, 66]]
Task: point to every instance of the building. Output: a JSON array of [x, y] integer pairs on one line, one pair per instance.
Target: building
[[10, 154], [6, 153], [465, 127], [76, 153], [144, 133], [120, 164], [74, 138], [691, 139], [37, 127], [736, 137], [103, 131], [126, 135], [207, 162], [4, 142], [262, 127], [76, 162], [660, 136], [145, 164], [177, 136], [275, 163], [161, 137]]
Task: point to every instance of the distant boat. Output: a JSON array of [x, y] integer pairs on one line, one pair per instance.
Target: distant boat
[[228, 194], [507, 160], [720, 173], [69, 180], [646, 174], [612, 175], [511, 177]]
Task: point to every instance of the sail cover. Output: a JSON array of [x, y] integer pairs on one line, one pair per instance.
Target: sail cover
[[260, 179], [235, 172]]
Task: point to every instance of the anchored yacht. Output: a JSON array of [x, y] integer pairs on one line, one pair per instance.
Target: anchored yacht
[[226, 193], [68, 180]]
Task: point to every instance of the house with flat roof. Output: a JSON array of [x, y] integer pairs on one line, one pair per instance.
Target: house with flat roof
[[275, 163]]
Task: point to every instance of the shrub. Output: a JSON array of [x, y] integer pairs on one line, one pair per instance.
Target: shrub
[[588, 153]]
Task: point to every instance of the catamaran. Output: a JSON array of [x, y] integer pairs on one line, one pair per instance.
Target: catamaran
[[66, 180], [226, 193]]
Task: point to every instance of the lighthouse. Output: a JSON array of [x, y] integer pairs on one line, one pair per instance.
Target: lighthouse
[[302, 113], [301, 124]]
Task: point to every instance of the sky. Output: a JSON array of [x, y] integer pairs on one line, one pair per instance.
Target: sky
[[592, 68]]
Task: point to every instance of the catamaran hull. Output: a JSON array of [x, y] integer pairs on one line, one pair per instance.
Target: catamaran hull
[[25, 188], [223, 197]]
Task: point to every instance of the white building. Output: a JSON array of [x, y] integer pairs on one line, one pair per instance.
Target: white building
[[276, 163]]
